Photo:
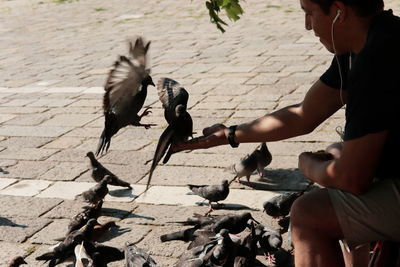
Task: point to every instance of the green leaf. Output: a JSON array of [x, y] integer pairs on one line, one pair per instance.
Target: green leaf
[[232, 8]]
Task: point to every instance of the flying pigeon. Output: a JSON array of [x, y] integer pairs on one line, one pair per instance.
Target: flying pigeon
[[126, 91]]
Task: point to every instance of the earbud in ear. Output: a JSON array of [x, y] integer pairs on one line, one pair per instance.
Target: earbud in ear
[[337, 16]]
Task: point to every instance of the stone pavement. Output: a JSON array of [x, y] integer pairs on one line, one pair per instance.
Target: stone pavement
[[54, 56]]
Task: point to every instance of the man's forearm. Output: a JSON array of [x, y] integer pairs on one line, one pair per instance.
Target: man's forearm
[[282, 124]]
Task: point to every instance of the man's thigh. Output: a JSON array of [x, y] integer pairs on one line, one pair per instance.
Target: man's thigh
[[314, 210], [371, 216]]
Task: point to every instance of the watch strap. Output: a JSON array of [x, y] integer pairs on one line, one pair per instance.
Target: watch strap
[[231, 136]]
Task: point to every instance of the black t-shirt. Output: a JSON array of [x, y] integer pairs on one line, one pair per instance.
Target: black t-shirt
[[372, 85]]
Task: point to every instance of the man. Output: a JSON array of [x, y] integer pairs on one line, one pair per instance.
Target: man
[[361, 199]]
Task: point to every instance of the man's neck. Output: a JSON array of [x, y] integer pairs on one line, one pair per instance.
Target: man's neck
[[357, 32]]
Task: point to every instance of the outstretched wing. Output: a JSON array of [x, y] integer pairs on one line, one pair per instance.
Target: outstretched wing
[[171, 94]]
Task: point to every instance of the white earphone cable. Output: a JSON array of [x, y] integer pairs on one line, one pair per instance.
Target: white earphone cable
[[336, 57]]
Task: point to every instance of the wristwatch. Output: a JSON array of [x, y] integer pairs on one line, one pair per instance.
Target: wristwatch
[[231, 136]]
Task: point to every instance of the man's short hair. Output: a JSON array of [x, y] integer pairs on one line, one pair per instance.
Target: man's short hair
[[363, 8]]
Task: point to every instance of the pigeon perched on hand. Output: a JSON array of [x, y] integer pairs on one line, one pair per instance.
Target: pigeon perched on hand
[[126, 91], [99, 171], [96, 193], [212, 193], [136, 257], [257, 160], [174, 100]]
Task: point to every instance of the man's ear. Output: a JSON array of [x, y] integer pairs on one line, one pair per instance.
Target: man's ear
[[339, 9]]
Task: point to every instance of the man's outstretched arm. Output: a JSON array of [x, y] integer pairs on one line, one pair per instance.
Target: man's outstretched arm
[[319, 103]]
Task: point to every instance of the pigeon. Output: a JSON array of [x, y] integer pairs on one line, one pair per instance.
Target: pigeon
[[284, 223], [174, 100], [224, 249], [126, 91], [137, 257], [196, 256], [264, 158], [200, 220], [100, 230], [201, 237], [280, 205], [17, 261], [107, 254], [183, 235], [82, 258], [268, 239], [257, 160], [96, 193], [64, 250], [99, 171], [234, 223], [247, 251], [79, 220], [212, 193]]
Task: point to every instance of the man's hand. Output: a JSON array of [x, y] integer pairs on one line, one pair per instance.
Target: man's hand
[[214, 135], [309, 162]]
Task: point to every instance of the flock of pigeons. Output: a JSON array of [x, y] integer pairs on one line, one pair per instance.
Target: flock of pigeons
[[213, 238]]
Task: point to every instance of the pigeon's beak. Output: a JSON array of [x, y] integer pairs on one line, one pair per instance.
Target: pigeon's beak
[[152, 83]]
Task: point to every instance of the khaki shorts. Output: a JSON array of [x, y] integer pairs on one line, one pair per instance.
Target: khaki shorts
[[372, 216]]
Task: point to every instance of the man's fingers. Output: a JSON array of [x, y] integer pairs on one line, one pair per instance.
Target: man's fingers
[[212, 129], [194, 143]]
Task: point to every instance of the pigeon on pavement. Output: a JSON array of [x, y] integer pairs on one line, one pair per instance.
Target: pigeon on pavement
[[100, 230], [212, 193], [234, 223], [257, 160], [268, 239], [284, 223], [96, 193], [264, 158], [82, 258], [224, 250], [197, 256], [126, 91], [183, 235], [137, 257], [200, 220], [80, 219], [17, 261], [99, 171], [247, 251], [174, 100], [64, 250], [280, 205]]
